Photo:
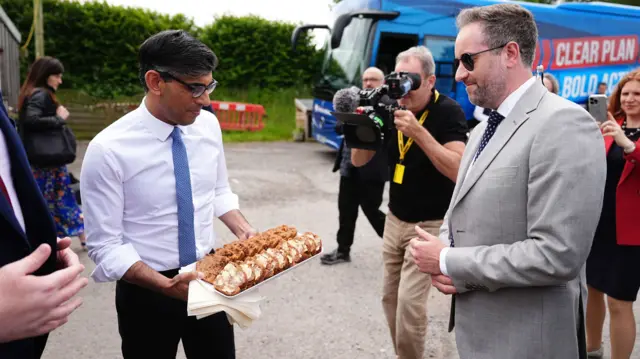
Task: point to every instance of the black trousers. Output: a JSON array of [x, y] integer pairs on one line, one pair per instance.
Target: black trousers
[[152, 324], [355, 193]]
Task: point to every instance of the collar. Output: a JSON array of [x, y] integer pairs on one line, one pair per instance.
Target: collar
[[510, 102], [161, 130], [431, 104]]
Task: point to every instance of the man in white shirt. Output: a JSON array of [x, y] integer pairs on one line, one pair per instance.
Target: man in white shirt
[[526, 204], [152, 183]]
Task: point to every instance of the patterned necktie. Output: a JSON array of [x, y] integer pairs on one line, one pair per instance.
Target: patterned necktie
[[492, 124], [186, 232]]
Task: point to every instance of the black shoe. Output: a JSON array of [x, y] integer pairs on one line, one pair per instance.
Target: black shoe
[[335, 257]]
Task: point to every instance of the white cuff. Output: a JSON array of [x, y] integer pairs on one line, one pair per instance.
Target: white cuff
[[443, 262], [116, 264], [225, 203]]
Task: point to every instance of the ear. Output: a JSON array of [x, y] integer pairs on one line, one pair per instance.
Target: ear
[[430, 81], [154, 82], [512, 51]]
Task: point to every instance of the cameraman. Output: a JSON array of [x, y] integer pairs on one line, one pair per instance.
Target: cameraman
[[359, 187], [425, 150]]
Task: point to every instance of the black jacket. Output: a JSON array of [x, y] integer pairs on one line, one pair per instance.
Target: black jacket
[[38, 113], [376, 170], [15, 244]]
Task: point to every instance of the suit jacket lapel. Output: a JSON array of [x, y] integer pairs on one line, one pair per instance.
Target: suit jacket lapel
[[527, 104], [467, 157], [12, 141]]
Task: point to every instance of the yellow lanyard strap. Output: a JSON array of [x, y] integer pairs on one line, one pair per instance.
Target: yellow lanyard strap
[[405, 148]]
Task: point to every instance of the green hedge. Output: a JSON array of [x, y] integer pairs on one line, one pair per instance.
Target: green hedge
[[255, 52], [98, 45]]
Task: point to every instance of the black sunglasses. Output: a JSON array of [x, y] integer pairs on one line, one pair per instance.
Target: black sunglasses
[[467, 58], [197, 89]]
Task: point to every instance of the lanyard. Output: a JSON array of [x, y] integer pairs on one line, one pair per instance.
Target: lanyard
[[401, 145]]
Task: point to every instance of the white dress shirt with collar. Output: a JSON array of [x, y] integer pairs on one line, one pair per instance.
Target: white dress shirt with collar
[[129, 194], [504, 109], [5, 172]]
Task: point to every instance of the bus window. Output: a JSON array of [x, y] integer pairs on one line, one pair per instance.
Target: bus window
[[442, 49], [344, 65], [391, 44]]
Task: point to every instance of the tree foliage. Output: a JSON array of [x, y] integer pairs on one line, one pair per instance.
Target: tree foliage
[[257, 52]]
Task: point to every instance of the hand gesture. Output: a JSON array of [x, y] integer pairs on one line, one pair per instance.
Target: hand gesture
[[248, 234], [62, 112], [35, 305], [425, 251], [66, 257], [611, 128], [406, 123], [178, 286]]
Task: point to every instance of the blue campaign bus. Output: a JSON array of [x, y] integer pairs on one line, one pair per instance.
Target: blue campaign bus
[[581, 44]]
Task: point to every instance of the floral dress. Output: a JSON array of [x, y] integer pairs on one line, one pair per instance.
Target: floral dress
[[54, 183]]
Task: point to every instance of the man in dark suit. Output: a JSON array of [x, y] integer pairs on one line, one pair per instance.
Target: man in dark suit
[[37, 285], [359, 187]]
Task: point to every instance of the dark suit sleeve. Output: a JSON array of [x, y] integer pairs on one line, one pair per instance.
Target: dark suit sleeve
[[35, 118]]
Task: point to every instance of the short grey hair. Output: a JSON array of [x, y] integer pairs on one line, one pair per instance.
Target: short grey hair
[[503, 23], [423, 55]]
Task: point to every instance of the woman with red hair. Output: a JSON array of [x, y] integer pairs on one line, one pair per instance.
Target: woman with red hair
[[613, 266]]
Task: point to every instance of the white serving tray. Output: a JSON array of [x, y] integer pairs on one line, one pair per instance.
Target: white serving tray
[[211, 287]]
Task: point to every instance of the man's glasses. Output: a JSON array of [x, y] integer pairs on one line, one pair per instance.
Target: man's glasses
[[197, 89], [467, 58]]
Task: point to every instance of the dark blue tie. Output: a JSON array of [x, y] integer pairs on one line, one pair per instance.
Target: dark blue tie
[[492, 125], [186, 232]]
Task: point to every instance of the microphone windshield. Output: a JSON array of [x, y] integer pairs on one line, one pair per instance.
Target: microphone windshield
[[346, 100]]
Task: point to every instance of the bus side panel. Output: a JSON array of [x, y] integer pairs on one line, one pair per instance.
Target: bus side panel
[[323, 124]]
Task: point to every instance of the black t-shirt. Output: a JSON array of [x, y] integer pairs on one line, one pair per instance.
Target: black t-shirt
[[425, 193]]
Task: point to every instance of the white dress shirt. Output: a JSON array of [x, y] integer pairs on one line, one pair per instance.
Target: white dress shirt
[[5, 172], [129, 194], [504, 109]]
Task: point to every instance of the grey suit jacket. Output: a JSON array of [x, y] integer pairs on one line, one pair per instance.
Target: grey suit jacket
[[523, 222]]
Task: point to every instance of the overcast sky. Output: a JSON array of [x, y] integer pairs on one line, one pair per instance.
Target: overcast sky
[[203, 11]]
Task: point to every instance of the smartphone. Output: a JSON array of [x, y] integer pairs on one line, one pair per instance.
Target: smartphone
[[597, 107]]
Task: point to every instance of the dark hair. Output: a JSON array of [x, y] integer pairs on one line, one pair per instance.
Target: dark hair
[[602, 84], [175, 52], [503, 23], [38, 75]]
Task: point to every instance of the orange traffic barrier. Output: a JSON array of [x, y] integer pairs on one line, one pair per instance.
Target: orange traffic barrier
[[239, 116]]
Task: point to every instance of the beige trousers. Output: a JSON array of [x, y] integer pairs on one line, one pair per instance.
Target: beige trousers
[[406, 289]]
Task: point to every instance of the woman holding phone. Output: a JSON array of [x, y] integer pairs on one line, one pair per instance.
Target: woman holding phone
[[613, 266]]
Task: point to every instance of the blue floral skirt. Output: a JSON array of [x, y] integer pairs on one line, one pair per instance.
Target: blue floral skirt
[[54, 185]]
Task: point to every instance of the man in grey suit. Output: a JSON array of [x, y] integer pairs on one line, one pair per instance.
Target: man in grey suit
[[526, 203]]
